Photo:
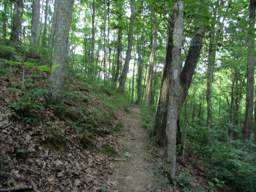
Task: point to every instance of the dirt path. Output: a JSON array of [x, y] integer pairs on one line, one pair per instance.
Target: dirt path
[[134, 169]]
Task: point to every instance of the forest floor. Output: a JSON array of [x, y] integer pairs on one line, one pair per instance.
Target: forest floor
[[134, 170]]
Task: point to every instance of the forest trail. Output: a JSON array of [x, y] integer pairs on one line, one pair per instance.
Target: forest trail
[[134, 171]]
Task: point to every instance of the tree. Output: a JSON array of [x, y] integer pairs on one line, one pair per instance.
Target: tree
[[125, 70], [248, 122], [174, 87], [149, 89], [17, 22], [140, 48], [5, 19], [44, 36], [60, 36], [35, 29]]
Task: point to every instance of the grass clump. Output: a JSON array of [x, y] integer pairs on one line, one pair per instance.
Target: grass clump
[[108, 150], [87, 139]]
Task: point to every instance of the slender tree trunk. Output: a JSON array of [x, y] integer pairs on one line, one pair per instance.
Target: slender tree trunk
[[133, 81], [174, 87], [248, 122], [44, 36], [149, 99], [105, 41], [140, 46], [61, 26], [5, 20], [210, 69], [17, 22], [123, 76], [93, 39], [119, 51], [35, 26]]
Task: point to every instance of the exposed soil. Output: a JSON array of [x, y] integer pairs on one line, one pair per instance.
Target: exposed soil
[[134, 169]]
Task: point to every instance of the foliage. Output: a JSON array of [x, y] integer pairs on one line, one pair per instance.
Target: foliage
[[146, 114], [7, 52], [27, 107], [231, 163]]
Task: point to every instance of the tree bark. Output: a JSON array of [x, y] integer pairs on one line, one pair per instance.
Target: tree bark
[[5, 20], [185, 82], [61, 26], [17, 22], [174, 87], [210, 69], [92, 72], [248, 122], [119, 51], [140, 46], [149, 99], [160, 117], [44, 36], [35, 26], [123, 76]]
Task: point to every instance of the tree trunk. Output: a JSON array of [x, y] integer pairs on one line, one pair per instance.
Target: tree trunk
[[105, 41], [174, 87], [185, 82], [92, 72], [248, 122], [140, 46], [160, 118], [35, 26], [210, 69], [5, 20], [61, 26], [17, 22], [119, 51], [149, 99], [123, 76], [44, 36]]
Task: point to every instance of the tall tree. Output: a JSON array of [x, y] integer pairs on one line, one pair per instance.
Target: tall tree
[[174, 86], [248, 122], [91, 63], [5, 19], [35, 26], [140, 48], [125, 70], [44, 35], [17, 21], [60, 36], [149, 99]]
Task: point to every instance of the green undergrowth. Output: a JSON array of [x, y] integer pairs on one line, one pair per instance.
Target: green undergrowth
[[146, 116], [224, 163]]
